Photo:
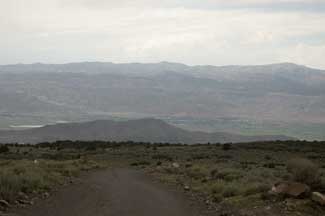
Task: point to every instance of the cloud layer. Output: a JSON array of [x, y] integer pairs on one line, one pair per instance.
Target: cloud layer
[[215, 32]]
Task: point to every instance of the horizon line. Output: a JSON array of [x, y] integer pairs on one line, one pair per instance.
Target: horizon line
[[161, 62]]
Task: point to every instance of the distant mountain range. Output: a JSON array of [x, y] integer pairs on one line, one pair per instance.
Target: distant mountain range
[[142, 130], [270, 95]]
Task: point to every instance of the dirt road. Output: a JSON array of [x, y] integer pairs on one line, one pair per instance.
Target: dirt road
[[114, 192]]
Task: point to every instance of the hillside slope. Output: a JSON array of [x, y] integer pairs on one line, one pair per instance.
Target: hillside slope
[[284, 92], [142, 130]]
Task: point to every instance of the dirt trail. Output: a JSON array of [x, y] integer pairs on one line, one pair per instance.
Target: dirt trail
[[114, 192]]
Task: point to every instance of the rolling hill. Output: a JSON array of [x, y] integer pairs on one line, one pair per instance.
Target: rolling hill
[[141, 130]]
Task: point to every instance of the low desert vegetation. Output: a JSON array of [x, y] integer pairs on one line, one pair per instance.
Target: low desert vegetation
[[32, 170], [228, 177], [242, 175], [25, 176]]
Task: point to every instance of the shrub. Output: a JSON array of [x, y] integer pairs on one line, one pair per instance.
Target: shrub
[[304, 171], [91, 148], [200, 156], [144, 163], [140, 163], [214, 173], [4, 149], [230, 191], [226, 146], [269, 165], [217, 198], [162, 157], [217, 187], [227, 174], [27, 176], [255, 189], [197, 172]]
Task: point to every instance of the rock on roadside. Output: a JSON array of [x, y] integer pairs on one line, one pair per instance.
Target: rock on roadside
[[292, 189], [186, 187], [318, 198], [176, 165], [4, 204]]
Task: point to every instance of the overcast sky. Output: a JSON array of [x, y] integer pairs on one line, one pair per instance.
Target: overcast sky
[[217, 32]]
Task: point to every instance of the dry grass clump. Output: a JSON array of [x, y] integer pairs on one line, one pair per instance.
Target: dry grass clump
[[197, 172], [223, 189]]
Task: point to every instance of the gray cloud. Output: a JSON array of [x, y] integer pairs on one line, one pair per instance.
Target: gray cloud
[[143, 30]]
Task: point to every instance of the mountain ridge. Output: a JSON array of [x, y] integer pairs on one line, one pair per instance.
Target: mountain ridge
[[162, 63], [285, 93]]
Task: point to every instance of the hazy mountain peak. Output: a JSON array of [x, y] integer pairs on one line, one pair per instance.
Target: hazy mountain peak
[[161, 64], [287, 64]]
